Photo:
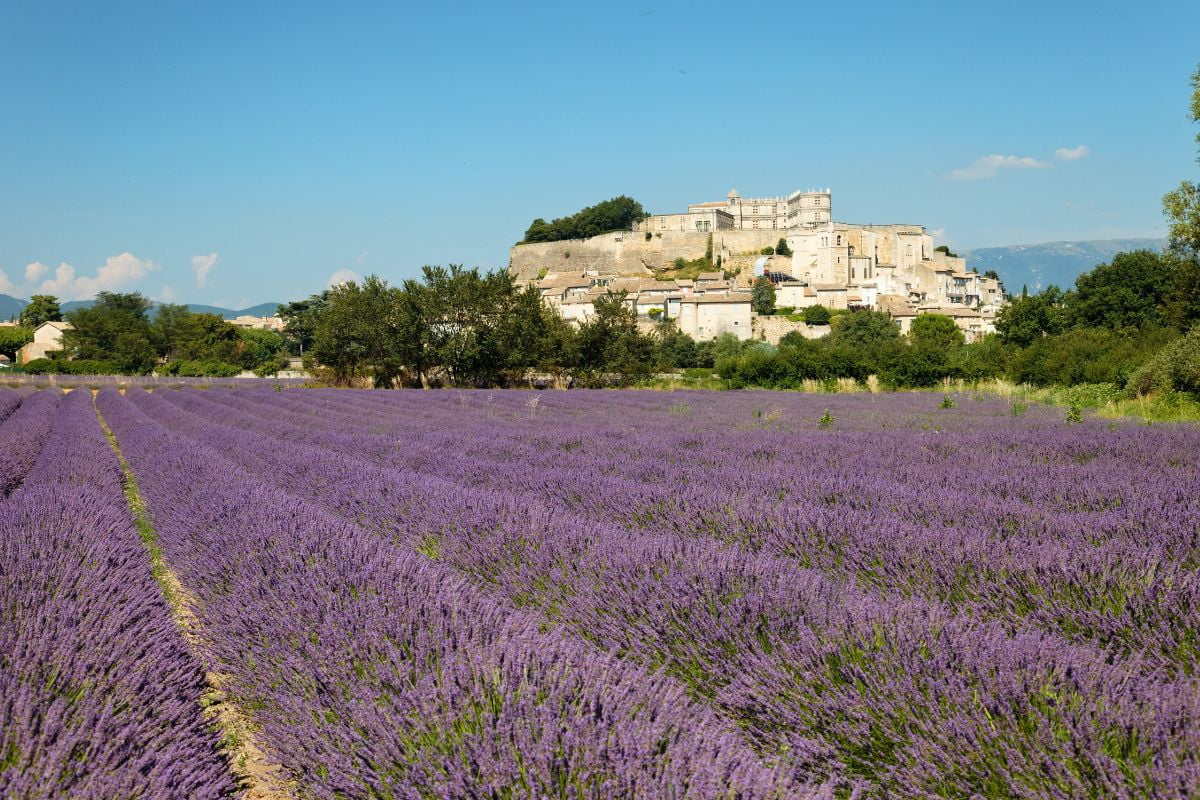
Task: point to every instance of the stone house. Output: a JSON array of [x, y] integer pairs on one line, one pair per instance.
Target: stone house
[[46, 339], [709, 316]]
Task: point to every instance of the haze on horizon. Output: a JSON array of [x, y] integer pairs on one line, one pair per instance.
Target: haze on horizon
[[229, 154]]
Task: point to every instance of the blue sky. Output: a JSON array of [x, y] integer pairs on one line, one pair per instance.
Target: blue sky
[[234, 153]]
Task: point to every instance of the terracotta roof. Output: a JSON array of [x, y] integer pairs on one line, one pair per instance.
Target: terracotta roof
[[895, 305], [564, 282], [709, 276], [738, 297]]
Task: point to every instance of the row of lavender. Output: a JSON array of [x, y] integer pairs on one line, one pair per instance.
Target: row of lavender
[[373, 671], [99, 696], [972, 542], [1051, 655]]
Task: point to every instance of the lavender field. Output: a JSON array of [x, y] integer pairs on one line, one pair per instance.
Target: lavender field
[[596, 595]]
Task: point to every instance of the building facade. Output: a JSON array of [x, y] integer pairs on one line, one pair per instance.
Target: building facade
[[797, 210]]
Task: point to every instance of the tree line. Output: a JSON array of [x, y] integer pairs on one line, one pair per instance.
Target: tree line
[[117, 334], [462, 327], [617, 214]]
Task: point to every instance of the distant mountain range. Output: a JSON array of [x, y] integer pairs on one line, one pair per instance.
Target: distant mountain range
[[10, 308], [1040, 265]]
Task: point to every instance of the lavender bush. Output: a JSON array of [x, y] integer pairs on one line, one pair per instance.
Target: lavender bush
[[99, 697], [919, 601]]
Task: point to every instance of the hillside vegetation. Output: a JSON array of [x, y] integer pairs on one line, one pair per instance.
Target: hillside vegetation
[[617, 214]]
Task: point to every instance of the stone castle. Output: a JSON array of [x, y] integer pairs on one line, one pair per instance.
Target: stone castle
[[892, 268]]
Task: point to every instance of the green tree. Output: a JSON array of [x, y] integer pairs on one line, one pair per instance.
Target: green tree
[[1182, 206], [816, 315], [982, 360], [936, 332], [673, 348], [617, 214], [355, 332], [781, 247], [260, 349], [1086, 355], [864, 329], [41, 308], [300, 321], [609, 343], [114, 328], [13, 338], [179, 334], [531, 335], [762, 296], [1031, 316], [1174, 368], [1129, 292], [467, 330]]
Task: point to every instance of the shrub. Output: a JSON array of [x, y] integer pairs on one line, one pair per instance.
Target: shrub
[[200, 369], [1174, 368], [816, 315], [83, 366]]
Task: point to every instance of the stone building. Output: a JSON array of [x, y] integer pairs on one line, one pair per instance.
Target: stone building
[[751, 213], [839, 265], [46, 339], [260, 323]]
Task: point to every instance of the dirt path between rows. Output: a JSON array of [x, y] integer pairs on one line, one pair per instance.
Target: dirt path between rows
[[260, 777]]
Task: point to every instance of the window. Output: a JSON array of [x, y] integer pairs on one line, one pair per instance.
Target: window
[[839, 240]]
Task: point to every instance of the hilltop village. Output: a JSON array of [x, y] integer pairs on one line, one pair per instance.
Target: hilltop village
[[697, 268]]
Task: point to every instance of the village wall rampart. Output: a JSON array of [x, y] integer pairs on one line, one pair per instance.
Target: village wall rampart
[[772, 329], [631, 253]]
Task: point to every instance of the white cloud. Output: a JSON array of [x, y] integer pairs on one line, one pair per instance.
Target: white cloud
[[118, 272], [362, 256], [167, 295], [35, 271], [203, 265], [988, 166], [1072, 153], [938, 233], [343, 276], [6, 286]]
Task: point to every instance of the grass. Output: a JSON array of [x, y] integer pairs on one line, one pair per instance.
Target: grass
[[1101, 399]]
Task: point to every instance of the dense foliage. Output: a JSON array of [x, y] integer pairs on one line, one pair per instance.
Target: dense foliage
[[463, 327], [40, 309], [117, 335], [617, 214], [13, 338]]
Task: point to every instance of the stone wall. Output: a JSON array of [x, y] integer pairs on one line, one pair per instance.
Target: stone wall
[[632, 253], [772, 329]]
